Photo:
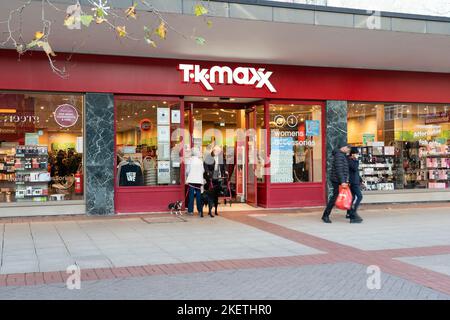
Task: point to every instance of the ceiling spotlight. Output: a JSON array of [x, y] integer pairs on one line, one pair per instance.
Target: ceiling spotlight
[[232, 99], [164, 102], [153, 106], [205, 99], [42, 107]]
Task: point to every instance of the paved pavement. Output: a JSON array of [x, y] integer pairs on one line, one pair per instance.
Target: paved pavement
[[248, 255], [337, 281], [52, 246]]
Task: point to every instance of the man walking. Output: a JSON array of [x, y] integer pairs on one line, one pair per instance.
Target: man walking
[[339, 176], [355, 185]]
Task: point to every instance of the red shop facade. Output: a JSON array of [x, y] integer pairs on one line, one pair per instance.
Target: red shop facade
[[128, 102]]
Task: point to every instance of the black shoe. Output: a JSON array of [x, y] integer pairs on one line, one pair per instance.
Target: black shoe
[[211, 216], [217, 214], [347, 216], [326, 219], [201, 215], [356, 218]]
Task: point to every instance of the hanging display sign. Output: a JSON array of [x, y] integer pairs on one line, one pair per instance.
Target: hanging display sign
[[368, 137], [163, 115], [66, 115], [145, 125], [258, 78], [176, 116], [163, 134], [312, 127]]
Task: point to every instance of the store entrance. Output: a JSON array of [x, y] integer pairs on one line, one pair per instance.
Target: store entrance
[[228, 131]]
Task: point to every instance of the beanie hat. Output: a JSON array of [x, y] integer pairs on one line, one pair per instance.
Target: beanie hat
[[354, 150]]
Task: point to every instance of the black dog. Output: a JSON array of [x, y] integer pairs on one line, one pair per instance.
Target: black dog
[[210, 197], [175, 207]]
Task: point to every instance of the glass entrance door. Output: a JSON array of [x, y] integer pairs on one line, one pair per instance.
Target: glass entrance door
[[251, 156]]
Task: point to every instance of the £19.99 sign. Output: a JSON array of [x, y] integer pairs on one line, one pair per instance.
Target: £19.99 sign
[[225, 75]]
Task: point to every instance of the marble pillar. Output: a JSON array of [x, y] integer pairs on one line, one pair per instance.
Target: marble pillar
[[99, 153], [336, 120]]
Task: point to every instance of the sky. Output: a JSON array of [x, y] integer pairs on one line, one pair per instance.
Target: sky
[[427, 7]]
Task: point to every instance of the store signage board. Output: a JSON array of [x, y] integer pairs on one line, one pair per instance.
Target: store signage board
[[441, 117], [66, 115], [163, 172], [368, 137], [31, 139], [258, 78]]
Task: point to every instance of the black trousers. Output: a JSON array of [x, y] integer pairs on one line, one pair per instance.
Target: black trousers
[[332, 200], [357, 197]]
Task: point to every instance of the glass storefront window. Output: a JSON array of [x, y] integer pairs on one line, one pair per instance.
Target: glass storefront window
[[41, 147], [148, 142], [403, 146], [296, 143]]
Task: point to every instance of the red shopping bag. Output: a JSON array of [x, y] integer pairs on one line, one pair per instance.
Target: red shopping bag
[[344, 199]]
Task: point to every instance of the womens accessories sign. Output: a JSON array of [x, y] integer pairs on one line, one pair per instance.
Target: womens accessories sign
[[225, 75], [66, 115]]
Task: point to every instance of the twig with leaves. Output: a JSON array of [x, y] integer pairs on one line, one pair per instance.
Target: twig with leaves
[[76, 18]]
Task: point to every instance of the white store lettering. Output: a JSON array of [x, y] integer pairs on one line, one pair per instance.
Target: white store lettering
[[225, 75]]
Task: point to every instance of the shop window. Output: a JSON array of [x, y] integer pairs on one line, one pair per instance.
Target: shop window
[[41, 147], [296, 143], [148, 143], [403, 146]]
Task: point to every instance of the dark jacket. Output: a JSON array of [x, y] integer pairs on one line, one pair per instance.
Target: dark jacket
[[354, 178], [339, 167]]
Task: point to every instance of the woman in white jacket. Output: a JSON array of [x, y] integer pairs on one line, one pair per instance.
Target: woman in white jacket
[[194, 171]]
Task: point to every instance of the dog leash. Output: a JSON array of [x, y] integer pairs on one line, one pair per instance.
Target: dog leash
[[191, 186]]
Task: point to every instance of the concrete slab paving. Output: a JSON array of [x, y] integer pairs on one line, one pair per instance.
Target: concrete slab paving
[[391, 229], [438, 263]]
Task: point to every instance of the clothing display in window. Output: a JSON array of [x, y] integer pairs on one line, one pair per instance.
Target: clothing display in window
[[130, 174]]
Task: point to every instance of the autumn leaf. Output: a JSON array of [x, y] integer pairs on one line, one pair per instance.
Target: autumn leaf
[[69, 21], [201, 41], [86, 19], [161, 31], [47, 48], [121, 31], [99, 20], [200, 10], [131, 11], [38, 35], [150, 42], [209, 23]]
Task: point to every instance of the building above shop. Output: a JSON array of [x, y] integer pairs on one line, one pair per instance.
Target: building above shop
[[262, 32]]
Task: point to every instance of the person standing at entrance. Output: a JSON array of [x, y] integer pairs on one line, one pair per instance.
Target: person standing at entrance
[[355, 185], [194, 171], [214, 171], [339, 176]]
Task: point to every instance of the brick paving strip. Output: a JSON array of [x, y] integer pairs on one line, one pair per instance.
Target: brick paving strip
[[335, 253], [381, 258]]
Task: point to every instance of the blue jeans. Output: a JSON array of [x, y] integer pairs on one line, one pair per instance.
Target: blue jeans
[[357, 197], [194, 189]]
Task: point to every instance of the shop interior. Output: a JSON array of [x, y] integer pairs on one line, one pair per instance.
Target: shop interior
[[219, 125], [403, 146], [41, 147]]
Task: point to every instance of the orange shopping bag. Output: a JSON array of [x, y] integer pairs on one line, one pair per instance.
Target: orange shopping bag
[[344, 199]]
